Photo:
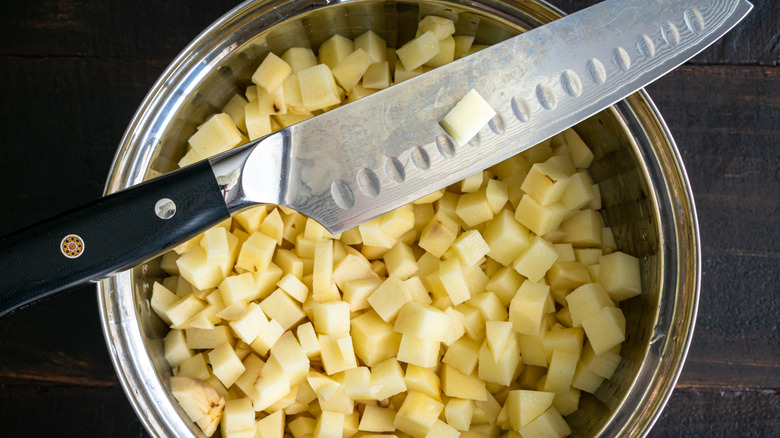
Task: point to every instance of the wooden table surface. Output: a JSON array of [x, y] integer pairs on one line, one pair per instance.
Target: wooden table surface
[[72, 73]]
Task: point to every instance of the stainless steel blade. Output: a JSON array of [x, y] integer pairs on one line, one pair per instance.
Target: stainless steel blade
[[354, 163]]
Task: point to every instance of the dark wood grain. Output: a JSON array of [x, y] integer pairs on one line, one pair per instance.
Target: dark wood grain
[[72, 73]]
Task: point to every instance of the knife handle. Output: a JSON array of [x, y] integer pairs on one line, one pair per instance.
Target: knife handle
[[108, 235]]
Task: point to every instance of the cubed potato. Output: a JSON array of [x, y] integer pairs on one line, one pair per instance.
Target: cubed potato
[[377, 419], [536, 259], [467, 117], [374, 339], [218, 134], [329, 425], [248, 327], [267, 337], [446, 53], [331, 317], [441, 27], [583, 229], [439, 235], [337, 353], [463, 355], [458, 385], [417, 351], [603, 364], [422, 321], [417, 414], [283, 309], [540, 219], [235, 109], [373, 44], [418, 51], [318, 87], [194, 268], [528, 307], [401, 74], [377, 76], [458, 413], [586, 300], [351, 69], [257, 124], [605, 329], [619, 274], [299, 58], [225, 364], [462, 45], [271, 73], [256, 253], [334, 49], [524, 406], [389, 377], [388, 299], [470, 247], [400, 261], [504, 284], [549, 423], [453, 281], [502, 370], [175, 348]]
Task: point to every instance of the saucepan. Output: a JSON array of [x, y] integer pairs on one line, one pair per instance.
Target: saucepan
[[645, 194]]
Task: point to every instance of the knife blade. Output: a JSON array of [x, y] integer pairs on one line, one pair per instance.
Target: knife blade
[[389, 149], [356, 162]]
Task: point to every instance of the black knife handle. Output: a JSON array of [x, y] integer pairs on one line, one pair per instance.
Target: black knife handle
[[108, 235]]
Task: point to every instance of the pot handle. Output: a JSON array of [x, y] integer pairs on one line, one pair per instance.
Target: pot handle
[[108, 235]]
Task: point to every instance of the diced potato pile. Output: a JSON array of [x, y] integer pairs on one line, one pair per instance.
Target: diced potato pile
[[484, 308]]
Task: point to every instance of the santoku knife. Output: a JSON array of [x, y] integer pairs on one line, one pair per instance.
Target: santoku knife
[[371, 156]]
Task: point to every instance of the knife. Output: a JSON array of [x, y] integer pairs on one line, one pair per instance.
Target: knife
[[354, 163]]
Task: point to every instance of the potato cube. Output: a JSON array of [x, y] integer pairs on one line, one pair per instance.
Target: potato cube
[[424, 380], [299, 58], [489, 306], [503, 370], [470, 247], [271, 72], [524, 406], [463, 355], [257, 124], [458, 413], [441, 27], [497, 335], [225, 364], [467, 117], [357, 384], [218, 134], [374, 339], [441, 429], [579, 192], [540, 219], [377, 419], [504, 284], [388, 299], [249, 326], [401, 74], [256, 253], [163, 299], [603, 364], [528, 307], [585, 379], [587, 300], [377, 76], [271, 426], [620, 276], [175, 348], [388, 376], [545, 183], [194, 268], [422, 321], [417, 414], [331, 317], [318, 87], [462, 45], [334, 49], [283, 309], [438, 235], [605, 329], [400, 261], [351, 69], [271, 331], [337, 353], [293, 287], [420, 352], [583, 229], [302, 426], [329, 425], [238, 417], [418, 51], [458, 385], [446, 53], [581, 155], [536, 259], [271, 103], [549, 423], [372, 44]]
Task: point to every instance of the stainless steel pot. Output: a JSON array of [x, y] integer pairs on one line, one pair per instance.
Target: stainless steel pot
[[645, 192]]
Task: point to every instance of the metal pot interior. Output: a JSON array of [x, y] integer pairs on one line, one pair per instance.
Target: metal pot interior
[[644, 189]]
